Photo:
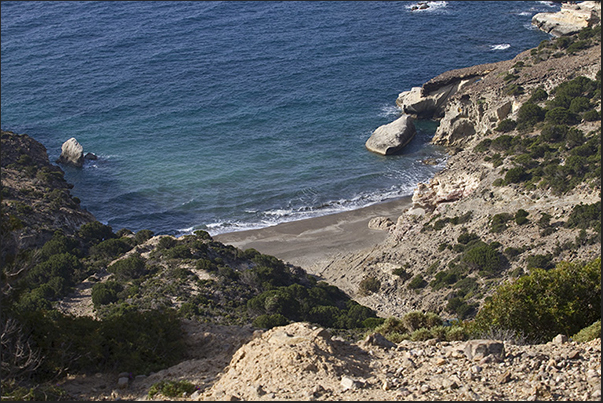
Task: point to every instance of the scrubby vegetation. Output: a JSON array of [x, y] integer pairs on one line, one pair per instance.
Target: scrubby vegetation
[[550, 152]]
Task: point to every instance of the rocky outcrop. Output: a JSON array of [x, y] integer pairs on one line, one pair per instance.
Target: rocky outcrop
[[36, 200], [429, 100], [570, 19], [72, 153], [428, 196], [393, 137]]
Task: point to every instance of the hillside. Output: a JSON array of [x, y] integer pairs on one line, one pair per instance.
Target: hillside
[[473, 295], [493, 173]]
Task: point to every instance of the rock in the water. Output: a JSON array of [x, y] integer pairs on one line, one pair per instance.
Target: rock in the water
[[570, 19], [393, 137], [72, 153]]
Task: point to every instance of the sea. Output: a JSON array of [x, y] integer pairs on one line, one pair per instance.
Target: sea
[[225, 116]]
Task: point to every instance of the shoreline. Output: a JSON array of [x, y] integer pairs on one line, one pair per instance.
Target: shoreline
[[315, 240]]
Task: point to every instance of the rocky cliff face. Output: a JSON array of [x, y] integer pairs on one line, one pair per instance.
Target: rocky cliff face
[[36, 200], [467, 196], [570, 19]]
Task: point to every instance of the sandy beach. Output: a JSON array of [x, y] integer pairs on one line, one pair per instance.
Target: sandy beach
[[309, 242]]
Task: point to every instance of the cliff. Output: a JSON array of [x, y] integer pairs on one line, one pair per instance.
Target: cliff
[[474, 192], [36, 199]]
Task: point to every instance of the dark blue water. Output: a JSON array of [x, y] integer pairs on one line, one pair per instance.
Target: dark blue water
[[233, 115]]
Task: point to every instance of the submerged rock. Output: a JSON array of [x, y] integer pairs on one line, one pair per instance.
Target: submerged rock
[[393, 137]]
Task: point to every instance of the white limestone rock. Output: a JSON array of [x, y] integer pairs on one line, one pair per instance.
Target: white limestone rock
[[570, 19], [393, 137], [72, 153]]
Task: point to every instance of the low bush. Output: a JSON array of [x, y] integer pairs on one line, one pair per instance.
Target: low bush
[[538, 95], [105, 293], [506, 125], [270, 321], [529, 114], [521, 217], [484, 258], [169, 388], [369, 285], [417, 282], [539, 262], [592, 115], [588, 333], [560, 116], [546, 303], [498, 222], [129, 268]]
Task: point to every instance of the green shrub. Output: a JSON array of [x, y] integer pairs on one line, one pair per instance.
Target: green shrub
[[577, 46], [563, 42], [417, 282], [538, 95], [142, 236], [554, 133], [560, 116], [460, 307], [456, 333], [105, 293], [166, 242], [270, 321], [513, 252], [484, 258], [414, 320], [502, 143], [546, 303], [60, 243], [391, 325], [506, 125], [516, 175], [421, 335], [110, 248], [482, 146], [592, 115], [521, 217], [171, 388], [539, 262], [402, 273], [514, 89], [498, 222], [585, 216], [588, 333], [203, 234], [372, 323], [179, 252], [94, 232], [579, 104], [369, 285], [529, 114], [129, 268], [432, 319]]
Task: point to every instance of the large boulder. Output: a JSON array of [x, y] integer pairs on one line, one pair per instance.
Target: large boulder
[[570, 19], [72, 153], [393, 137]]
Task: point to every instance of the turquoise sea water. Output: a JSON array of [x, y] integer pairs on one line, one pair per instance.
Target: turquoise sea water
[[226, 116]]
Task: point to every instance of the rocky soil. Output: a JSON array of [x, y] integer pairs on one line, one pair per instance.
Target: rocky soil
[[303, 362]]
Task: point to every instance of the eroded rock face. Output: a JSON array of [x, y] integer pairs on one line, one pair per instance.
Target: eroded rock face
[[570, 19], [72, 153], [392, 138], [427, 196]]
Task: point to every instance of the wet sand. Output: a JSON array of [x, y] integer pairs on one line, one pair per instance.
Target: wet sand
[[315, 240]]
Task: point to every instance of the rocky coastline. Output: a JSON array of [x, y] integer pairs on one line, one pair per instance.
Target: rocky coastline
[[303, 362]]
